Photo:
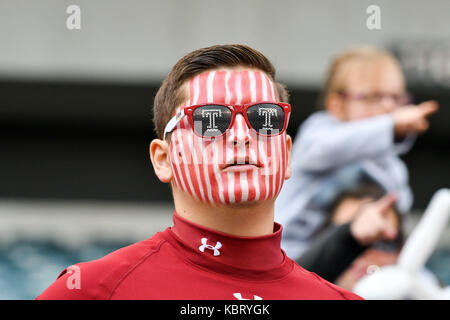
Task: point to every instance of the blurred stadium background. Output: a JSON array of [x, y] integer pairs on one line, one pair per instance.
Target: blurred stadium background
[[76, 181]]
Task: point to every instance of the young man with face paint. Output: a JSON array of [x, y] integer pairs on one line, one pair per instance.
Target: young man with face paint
[[222, 146]]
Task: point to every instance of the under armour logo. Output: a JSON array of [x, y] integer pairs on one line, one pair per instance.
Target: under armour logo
[[210, 247], [239, 297]]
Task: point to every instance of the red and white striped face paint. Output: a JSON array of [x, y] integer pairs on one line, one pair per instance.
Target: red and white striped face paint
[[240, 166]]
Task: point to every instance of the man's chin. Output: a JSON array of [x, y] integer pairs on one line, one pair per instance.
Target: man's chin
[[245, 204], [237, 203]]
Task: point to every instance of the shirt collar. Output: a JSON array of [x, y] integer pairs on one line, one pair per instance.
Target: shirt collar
[[228, 253]]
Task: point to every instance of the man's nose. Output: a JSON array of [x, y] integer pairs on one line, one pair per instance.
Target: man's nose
[[239, 133]]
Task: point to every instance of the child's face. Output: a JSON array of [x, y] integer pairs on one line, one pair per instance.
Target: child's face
[[239, 166], [370, 90]]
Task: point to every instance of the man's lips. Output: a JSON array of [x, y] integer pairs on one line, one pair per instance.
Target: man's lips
[[241, 165]]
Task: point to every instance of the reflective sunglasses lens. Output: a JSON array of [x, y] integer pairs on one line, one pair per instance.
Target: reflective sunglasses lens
[[266, 118], [211, 120]]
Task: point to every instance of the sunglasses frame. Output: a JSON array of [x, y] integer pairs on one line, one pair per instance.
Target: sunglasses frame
[[236, 109]]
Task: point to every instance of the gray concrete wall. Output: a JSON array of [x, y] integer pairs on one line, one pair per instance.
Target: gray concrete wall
[[139, 40]]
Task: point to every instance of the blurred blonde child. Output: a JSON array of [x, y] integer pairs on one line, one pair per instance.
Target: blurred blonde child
[[367, 122]]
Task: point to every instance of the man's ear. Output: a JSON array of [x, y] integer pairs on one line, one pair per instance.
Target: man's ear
[[288, 158], [159, 155], [334, 104]]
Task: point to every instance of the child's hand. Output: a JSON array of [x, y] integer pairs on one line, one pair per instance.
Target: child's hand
[[371, 224], [413, 119]]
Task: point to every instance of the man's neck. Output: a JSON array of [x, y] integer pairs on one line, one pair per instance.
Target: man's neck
[[245, 220]]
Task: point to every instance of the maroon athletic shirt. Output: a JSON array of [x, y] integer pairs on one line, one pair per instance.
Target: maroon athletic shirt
[[191, 262]]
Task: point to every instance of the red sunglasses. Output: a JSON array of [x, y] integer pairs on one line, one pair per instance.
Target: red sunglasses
[[213, 120]]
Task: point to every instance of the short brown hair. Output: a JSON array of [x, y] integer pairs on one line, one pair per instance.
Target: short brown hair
[[170, 95]]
